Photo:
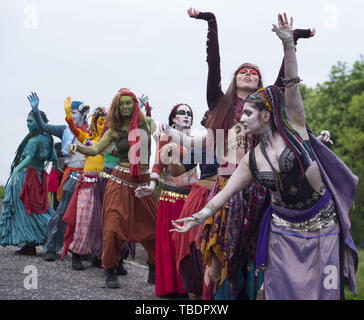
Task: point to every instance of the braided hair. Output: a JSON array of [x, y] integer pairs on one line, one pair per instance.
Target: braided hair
[[19, 151], [272, 99]]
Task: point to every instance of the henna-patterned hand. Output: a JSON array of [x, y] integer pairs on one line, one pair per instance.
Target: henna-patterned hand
[[285, 29]]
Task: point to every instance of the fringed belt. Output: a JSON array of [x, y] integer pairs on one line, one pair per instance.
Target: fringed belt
[[322, 214], [311, 221], [127, 170], [172, 193], [123, 182], [171, 196]]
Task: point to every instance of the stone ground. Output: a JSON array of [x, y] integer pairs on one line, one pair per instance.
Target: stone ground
[[57, 280]]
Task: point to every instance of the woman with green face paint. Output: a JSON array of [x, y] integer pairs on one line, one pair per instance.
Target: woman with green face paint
[[26, 211], [125, 217]]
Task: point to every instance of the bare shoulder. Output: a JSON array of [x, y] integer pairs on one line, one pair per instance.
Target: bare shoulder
[[111, 134]]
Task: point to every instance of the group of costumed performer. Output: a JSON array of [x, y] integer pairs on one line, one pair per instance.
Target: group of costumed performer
[[227, 242], [304, 241], [125, 217], [26, 211]]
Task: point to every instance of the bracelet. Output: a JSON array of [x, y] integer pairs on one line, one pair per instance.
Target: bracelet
[[291, 82], [211, 207]]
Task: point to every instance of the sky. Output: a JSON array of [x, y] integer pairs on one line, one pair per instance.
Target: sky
[[88, 49]]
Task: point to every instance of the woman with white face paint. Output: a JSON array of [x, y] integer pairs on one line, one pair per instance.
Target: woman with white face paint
[[171, 201]]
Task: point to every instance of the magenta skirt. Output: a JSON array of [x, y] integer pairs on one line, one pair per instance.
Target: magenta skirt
[[167, 279]]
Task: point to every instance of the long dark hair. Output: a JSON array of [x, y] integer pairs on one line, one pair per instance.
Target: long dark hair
[[221, 117]]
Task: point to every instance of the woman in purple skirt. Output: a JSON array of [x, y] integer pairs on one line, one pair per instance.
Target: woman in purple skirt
[[304, 242]]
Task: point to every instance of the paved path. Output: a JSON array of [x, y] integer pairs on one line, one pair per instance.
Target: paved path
[[57, 280]]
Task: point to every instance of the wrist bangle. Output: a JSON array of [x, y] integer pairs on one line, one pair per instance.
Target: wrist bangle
[[211, 207]]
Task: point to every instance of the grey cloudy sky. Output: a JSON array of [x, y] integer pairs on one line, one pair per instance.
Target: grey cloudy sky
[[88, 49]]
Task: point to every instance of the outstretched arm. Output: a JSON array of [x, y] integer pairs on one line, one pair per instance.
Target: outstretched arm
[[297, 34], [98, 148], [293, 99], [179, 137], [55, 130], [240, 179], [214, 92]]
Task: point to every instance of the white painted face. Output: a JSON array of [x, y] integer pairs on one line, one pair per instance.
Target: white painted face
[[251, 119], [77, 117], [183, 118]]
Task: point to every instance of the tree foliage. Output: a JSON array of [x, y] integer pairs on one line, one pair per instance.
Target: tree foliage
[[337, 105]]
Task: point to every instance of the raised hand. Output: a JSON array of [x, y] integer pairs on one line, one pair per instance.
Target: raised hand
[[285, 29], [193, 13], [67, 107], [143, 100], [33, 100]]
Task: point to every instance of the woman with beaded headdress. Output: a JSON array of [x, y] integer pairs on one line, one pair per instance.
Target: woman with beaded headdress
[[78, 215], [26, 211], [222, 252], [304, 240], [125, 217], [174, 191]]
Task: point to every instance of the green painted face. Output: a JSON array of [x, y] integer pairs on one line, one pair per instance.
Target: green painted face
[[126, 106]]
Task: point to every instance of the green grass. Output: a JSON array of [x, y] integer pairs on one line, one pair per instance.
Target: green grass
[[359, 280]]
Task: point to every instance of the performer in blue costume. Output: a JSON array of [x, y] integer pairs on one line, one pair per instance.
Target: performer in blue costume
[[26, 211]]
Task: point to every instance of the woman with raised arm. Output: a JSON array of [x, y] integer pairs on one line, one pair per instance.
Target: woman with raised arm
[[125, 217], [304, 241], [26, 211], [233, 221]]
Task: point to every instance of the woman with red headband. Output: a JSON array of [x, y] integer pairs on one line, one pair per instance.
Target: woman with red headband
[[172, 198], [304, 241], [126, 218]]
